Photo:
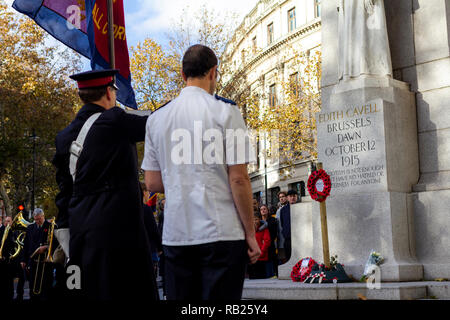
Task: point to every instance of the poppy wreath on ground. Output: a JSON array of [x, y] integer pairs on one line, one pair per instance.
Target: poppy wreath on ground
[[312, 180], [322, 274], [299, 273]]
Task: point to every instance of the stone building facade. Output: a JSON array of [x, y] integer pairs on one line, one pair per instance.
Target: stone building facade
[[406, 217], [419, 36], [414, 223], [258, 59]]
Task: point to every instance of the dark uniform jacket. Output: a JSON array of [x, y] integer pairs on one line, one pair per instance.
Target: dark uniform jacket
[[6, 270], [285, 220], [35, 237], [152, 229], [103, 207]]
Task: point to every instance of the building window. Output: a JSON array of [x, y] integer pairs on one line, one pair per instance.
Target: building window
[[299, 187], [317, 8], [254, 45], [291, 20], [257, 196], [293, 82], [270, 36], [273, 196], [272, 96]]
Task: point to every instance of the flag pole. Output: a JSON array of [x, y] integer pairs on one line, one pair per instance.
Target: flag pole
[[112, 57], [324, 228]]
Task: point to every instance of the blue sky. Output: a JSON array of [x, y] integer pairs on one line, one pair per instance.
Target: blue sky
[[153, 18]]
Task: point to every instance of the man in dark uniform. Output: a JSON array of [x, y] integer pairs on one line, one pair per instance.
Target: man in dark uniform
[[35, 246], [113, 257], [6, 266], [285, 221]]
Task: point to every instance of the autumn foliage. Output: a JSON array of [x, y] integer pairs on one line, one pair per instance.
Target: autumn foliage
[[35, 97]]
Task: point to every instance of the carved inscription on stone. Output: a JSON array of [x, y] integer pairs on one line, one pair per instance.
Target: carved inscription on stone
[[351, 146]]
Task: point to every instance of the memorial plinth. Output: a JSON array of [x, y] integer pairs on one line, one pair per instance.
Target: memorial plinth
[[367, 142]]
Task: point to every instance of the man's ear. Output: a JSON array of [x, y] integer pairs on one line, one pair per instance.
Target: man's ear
[[108, 94], [212, 73], [183, 76]]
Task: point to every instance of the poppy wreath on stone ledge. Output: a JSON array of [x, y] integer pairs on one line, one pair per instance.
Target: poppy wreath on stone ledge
[[312, 180], [298, 273]]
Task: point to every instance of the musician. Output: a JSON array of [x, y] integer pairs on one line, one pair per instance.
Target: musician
[[105, 187], [35, 245], [6, 269], [18, 271]]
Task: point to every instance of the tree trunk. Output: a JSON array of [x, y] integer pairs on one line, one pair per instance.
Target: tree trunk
[[6, 201]]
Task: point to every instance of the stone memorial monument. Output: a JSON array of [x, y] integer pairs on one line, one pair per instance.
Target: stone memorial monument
[[363, 39], [383, 136]]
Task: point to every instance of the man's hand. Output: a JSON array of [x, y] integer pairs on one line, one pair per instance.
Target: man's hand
[[253, 249], [41, 249], [23, 265], [153, 181]]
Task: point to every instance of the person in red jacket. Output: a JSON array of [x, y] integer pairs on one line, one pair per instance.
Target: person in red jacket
[[261, 270]]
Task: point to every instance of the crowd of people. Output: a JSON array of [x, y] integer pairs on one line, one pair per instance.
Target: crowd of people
[[49, 283], [208, 234], [272, 226], [268, 232], [22, 258]]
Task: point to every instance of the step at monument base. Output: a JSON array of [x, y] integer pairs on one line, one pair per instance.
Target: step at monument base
[[274, 289]]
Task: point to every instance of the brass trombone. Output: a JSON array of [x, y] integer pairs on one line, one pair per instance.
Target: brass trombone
[[5, 236], [18, 223], [40, 263]]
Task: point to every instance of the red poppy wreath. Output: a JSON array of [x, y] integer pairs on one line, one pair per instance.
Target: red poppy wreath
[[319, 194], [302, 269]]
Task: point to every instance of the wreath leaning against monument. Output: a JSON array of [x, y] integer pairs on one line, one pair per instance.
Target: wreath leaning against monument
[[319, 185], [302, 269]]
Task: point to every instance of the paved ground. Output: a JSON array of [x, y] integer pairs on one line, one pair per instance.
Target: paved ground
[[274, 289], [26, 295]]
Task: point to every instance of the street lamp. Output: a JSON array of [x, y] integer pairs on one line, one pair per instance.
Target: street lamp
[[265, 168], [33, 181]]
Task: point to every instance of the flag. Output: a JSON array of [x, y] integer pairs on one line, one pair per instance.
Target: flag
[[83, 26], [152, 199]]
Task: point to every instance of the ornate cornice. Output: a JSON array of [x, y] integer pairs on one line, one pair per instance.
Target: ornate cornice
[[305, 30]]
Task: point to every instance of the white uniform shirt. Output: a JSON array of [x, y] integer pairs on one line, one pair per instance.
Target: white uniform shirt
[[190, 140]]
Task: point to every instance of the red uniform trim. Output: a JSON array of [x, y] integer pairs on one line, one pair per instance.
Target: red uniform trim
[[100, 82]]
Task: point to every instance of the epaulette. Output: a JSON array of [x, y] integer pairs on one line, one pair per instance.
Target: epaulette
[[225, 100]]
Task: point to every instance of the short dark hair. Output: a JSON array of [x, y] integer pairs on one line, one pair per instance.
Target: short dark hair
[[197, 60], [90, 95], [292, 192], [282, 192]]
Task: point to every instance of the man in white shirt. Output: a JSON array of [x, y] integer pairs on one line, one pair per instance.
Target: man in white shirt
[[191, 155]]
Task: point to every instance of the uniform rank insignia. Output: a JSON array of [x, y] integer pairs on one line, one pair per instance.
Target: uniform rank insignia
[[225, 100]]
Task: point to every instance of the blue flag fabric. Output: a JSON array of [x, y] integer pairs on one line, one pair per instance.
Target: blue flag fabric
[[81, 25]]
